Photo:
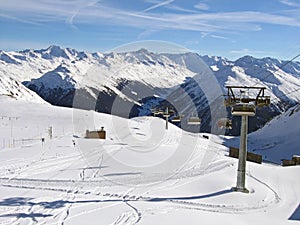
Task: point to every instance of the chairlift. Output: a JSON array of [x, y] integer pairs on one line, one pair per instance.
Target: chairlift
[[171, 111], [263, 101], [166, 114], [243, 109], [194, 120], [156, 113], [160, 111], [176, 119], [153, 110], [224, 123]]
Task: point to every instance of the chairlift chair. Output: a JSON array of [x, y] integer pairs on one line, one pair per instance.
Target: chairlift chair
[[243, 109], [176, 119], [263, 101], [156, 113], [160, 111], [153, 111], [166, 115], [194, 120], [171, 111]]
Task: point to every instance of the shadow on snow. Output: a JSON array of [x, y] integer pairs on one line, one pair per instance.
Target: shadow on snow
[[191, 197]]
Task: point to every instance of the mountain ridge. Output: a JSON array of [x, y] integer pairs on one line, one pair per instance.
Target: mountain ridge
[[135, 79]]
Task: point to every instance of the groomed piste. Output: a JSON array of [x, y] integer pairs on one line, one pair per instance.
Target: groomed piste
[[140, 174]]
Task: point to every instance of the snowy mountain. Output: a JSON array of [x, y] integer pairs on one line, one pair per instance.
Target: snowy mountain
[[130, 84], [15, 89], [278, 139]]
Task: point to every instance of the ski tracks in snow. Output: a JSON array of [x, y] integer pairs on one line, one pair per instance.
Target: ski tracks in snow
[[129, 218], [66, 211]]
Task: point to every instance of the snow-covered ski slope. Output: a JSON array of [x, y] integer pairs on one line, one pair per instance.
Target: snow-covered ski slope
[[278, 139], [10, 86], [141, 173]]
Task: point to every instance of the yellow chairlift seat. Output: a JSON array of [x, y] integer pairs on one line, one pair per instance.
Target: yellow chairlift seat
[[160, 111], [243, 109], [166, 115], [171, 111], [176, 119], [154, 111], [194, 120], [263, 101]]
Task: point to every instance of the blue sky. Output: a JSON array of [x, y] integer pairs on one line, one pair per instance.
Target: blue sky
[[229, 28]]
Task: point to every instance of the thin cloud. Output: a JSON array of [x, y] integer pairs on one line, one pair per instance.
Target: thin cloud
[[219, 37], [290, 3], [171, 6], [246, 51], [95, 12], [240, 51], [247, 17], [202, 6], [146, 33], [180, 9], [159, 5], [18, 19], [204, 34], [70, 20]]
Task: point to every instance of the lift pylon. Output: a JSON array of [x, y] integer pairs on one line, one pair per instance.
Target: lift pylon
[[244, 106]]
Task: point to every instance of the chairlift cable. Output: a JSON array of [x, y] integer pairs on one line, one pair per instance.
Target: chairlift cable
[[279, 68], [274, 72], [279, 97]]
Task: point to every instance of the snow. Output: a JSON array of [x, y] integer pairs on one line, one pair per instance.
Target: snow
[[16, 90], [214, 68], [141, 174], [278, 139], [100, 70]]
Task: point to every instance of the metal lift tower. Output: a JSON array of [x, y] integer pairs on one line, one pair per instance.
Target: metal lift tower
[[244, 106]]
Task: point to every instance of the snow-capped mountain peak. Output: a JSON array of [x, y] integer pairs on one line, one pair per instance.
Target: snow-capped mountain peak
[[56, 73]]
